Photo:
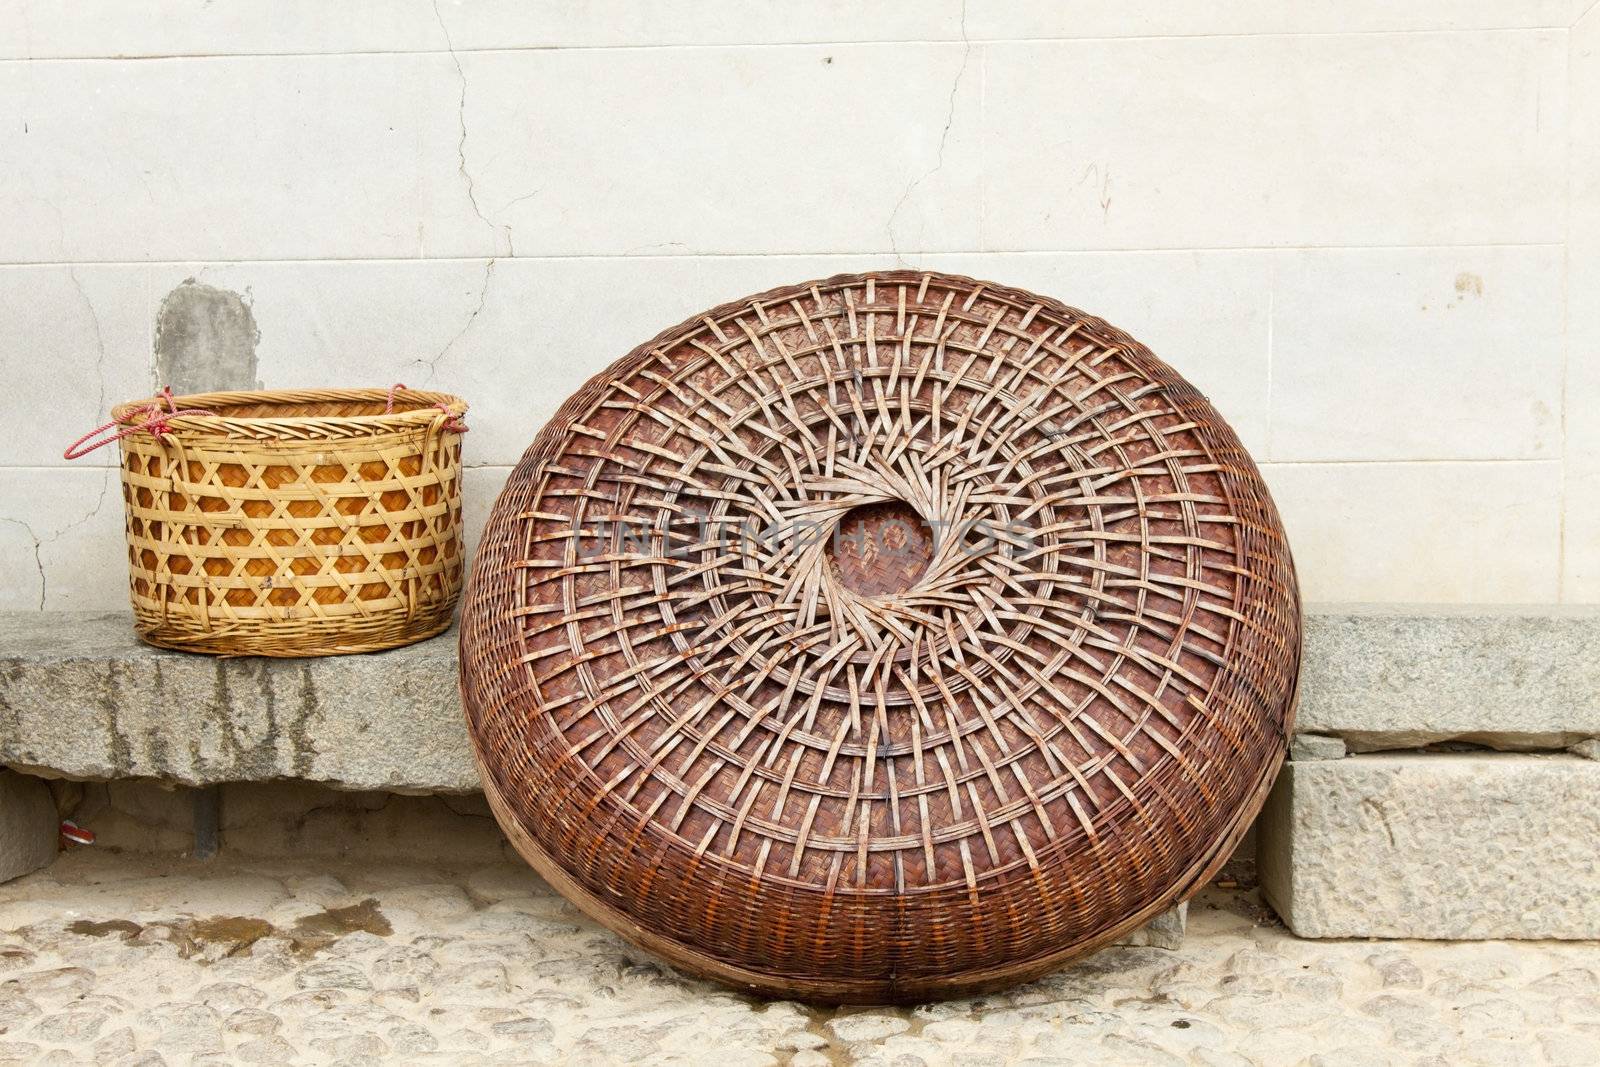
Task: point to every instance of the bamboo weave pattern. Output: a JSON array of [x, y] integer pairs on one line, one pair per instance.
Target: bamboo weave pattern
[[884, 637], [304, 523]]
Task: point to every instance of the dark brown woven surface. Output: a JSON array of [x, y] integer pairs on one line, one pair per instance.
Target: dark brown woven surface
[[1024, 691]]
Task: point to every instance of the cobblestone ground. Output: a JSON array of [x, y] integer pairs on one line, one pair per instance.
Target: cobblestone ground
[[139, 960]]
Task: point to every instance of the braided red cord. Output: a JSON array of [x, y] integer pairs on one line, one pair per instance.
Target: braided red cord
[[156, 422]]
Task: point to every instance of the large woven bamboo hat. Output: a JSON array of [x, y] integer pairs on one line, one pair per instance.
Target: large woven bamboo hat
[[879, 638]]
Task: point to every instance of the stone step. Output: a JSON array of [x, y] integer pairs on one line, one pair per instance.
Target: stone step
[[1506, 677], [1435, 845], [81, 697]]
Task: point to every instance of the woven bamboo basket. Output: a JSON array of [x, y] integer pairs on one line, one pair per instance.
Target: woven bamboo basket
[[298, 523], [881, 638]]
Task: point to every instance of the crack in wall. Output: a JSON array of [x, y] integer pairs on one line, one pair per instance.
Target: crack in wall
[[461, 144], [944, 137], [38, 542], [99, 342], [100, 410], [483, 298], [38, 559]]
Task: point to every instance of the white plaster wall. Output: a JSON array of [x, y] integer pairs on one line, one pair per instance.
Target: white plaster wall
[[1369, 231]]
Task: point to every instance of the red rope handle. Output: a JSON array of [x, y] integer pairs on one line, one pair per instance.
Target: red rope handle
[[156, 422], [453, 424], [76, 449]]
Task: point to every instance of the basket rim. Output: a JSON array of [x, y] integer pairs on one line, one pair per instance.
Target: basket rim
[[208, 411]]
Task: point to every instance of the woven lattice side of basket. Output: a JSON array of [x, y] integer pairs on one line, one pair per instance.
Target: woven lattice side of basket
[[293, 523]]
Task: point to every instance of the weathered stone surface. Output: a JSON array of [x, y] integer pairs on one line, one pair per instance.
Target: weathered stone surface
[[81, 697], [1308, 747], [1164, 931], [28, 825], [306, 968], [1399, 677], [1443, 845], [206, 339]]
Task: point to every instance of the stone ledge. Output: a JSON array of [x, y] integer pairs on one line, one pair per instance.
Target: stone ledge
[[1438, 845], [1513, 678], [81, 697]]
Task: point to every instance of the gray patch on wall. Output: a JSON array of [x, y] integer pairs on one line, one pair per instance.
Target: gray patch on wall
[[206, 340]]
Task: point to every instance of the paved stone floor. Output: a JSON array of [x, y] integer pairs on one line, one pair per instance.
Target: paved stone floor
[[134, 959]]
